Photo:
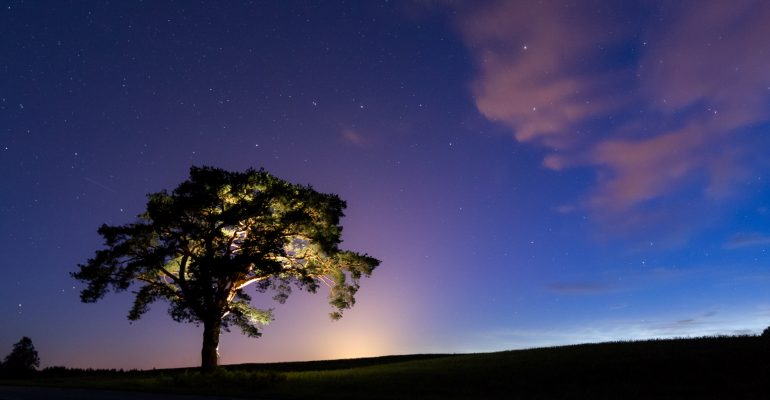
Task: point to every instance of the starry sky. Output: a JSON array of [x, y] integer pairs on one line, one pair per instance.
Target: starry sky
[[529, 173]]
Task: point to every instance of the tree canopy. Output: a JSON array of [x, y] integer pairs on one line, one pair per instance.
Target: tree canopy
[[22, 359], [200, 246]]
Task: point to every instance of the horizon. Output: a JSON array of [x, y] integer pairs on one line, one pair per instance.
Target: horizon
[[434, 354], [530, 175]]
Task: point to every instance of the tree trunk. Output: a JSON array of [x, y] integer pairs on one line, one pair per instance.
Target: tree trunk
[[210, 350]]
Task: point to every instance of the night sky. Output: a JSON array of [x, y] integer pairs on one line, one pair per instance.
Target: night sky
[[529, 173]]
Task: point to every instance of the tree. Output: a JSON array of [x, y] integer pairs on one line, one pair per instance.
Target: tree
[[217, 233], [23, 358]]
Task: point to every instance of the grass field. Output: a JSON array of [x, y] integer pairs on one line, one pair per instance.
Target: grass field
[[704, 368]]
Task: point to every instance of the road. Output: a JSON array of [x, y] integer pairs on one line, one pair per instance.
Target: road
[[49, 393]]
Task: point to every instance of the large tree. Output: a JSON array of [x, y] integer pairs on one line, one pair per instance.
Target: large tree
[[219, 232]]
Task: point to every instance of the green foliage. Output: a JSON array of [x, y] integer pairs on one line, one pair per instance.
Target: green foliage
[[22, 359], [223, 380], [200, 246]]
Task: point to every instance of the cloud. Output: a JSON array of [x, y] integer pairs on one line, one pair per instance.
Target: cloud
[[747, 239], [354, 137], [565, 209], [705, 324], [530, 76], [632, 172], [704, 77], [672, 118], [616, 307], [578, 288]]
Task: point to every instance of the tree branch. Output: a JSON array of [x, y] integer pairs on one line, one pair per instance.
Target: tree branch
[[249, 282], [165, 287], [168, 274]]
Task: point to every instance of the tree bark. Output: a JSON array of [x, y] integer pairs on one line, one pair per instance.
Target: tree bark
[[210, 350]]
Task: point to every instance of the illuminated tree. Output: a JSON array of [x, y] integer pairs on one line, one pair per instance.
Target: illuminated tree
[[23, 358], [219, 232]]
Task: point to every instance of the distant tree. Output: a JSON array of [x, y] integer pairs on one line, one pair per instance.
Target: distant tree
[[766, 333], [22, 359], [218, 232]]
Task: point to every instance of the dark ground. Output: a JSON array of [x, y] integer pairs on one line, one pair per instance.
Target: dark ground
[[53, 393], [705, 368]]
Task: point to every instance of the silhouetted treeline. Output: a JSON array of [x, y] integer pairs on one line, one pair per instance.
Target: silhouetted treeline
[[64, 372], [57, 372]]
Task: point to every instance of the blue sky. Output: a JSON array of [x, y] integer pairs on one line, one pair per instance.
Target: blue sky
[[528, 174]]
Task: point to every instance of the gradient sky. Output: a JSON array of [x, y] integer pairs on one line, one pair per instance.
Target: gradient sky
[[529, 173]]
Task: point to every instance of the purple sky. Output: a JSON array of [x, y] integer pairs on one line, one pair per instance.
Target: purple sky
[[529, 174]]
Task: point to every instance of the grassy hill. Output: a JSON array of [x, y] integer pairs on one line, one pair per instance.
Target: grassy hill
[[704, 368]]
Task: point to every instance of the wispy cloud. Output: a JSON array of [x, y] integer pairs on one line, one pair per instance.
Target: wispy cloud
[[529, 74], [354, 137], [683, 327], [704, 79], [747, 239], [703, 324], [579, 288], [672, 120]]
